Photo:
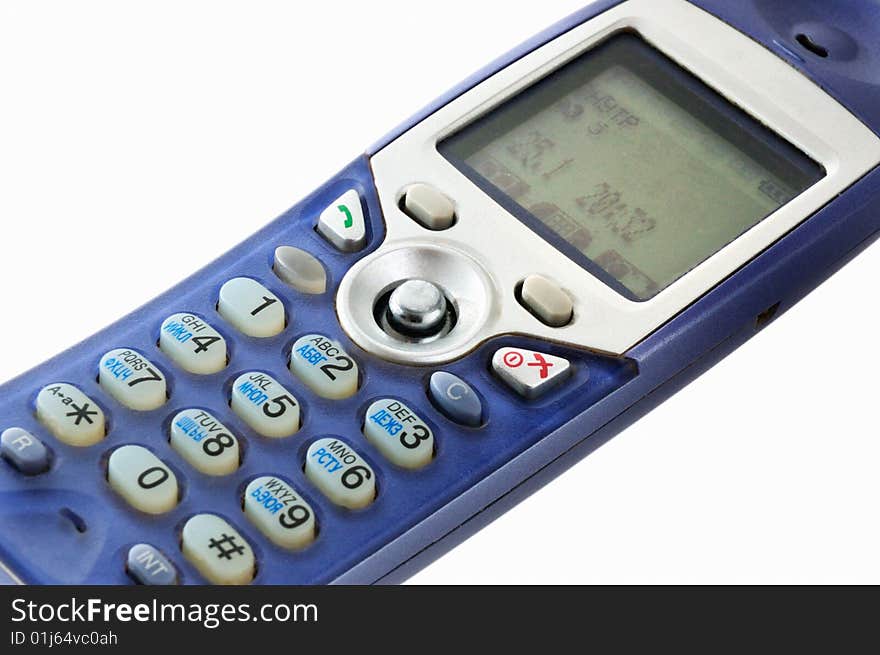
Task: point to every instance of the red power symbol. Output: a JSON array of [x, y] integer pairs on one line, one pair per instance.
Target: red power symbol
[[543, 364], [513, 359]]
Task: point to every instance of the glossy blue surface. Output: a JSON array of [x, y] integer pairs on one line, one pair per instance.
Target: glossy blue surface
[[67, 526], [89, 540]]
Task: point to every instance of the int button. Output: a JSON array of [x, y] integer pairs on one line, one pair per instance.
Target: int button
[[547, 301], [148, 566]]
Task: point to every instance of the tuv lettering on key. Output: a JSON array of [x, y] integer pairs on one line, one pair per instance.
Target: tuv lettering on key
[[199, 426]]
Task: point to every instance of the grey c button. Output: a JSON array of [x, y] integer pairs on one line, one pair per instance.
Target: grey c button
[[456, 399]]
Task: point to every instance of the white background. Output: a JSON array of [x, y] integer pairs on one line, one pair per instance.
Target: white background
[[179, 128]]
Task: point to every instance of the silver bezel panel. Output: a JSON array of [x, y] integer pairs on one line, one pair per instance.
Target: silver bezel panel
[[506, 251]]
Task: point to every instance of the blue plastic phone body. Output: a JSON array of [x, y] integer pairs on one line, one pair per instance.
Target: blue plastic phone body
[[478, 473]]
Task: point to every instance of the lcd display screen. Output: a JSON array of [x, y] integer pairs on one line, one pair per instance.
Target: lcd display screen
[[630, 165]]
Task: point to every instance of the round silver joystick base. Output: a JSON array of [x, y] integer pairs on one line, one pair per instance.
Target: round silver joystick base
[[415, 311], [417, 307], [364, 293]]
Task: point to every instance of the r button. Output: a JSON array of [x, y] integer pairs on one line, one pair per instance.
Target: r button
[[24, 451]]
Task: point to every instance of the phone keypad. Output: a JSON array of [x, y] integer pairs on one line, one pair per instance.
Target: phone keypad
[[392, 430], [142, 479], [218, 550], [324, 367], [204, 442], [251, 308], [280, 513], [192, 344], [70, 415], [340, 473], [265, 405], [133, 380]]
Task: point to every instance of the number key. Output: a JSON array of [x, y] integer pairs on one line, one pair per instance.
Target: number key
[[251, 308], [192, 344], [132, 380], [204, 442], [399, 433], [279, 512], [265, 405], [340, 473], [142, 480], [324, 367]]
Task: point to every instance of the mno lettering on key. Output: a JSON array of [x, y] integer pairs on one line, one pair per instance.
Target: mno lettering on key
[[327, 460]]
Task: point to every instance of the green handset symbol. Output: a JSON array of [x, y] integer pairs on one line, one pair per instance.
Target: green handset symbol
[[349, 221]]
